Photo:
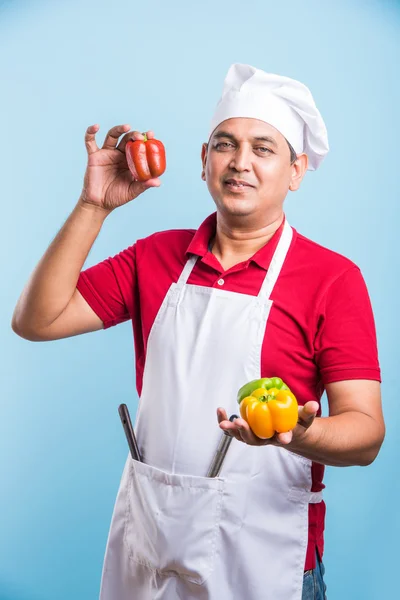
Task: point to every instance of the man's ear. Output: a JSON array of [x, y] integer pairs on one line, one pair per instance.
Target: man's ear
[[299, 169], [204, 150]]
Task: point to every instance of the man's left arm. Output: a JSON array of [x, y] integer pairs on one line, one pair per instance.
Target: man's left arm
[[352, 434], [344, 342]]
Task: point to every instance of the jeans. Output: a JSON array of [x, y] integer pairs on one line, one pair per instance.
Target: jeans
[[314, 587]]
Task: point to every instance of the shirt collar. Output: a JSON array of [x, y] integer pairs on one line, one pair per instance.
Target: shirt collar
[[200, 240]]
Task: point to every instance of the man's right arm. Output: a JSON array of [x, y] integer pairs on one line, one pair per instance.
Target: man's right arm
[[50, 307]]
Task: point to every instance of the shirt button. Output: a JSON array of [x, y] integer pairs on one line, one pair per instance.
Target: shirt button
[[220, 282]]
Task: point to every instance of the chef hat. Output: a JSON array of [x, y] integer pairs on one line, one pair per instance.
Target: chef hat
[[284, 103]]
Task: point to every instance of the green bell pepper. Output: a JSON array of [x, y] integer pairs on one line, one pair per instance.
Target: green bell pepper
[[267, 383]]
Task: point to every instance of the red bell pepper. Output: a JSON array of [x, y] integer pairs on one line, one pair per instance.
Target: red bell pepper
[[146, 158]]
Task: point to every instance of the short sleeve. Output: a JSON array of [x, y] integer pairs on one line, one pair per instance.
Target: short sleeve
[[345, 343], [109, 287]]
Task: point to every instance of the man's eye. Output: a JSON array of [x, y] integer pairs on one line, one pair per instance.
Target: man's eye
[[263, 149], [222, 145]]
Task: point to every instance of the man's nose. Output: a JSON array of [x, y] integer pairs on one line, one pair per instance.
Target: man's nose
[[241, 161]]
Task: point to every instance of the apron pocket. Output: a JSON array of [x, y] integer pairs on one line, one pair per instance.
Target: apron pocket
[[172, 521]]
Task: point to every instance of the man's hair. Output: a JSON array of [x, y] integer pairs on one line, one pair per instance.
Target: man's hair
[[293, 155]]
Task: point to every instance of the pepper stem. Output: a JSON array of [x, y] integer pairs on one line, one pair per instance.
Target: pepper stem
[[267, 397], [145, 137]]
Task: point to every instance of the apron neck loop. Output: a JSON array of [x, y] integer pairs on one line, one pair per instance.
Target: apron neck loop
[[271, 277]]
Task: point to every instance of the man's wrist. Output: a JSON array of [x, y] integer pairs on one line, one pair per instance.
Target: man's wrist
[[93, 209]]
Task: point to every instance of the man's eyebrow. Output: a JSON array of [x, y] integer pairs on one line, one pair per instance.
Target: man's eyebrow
[[267, 139], [230, 136]]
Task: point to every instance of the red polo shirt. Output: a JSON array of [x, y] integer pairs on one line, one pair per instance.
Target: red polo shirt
[[320, 329]]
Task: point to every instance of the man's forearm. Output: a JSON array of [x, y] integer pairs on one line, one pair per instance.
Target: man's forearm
[[344, 440], [53, 282]]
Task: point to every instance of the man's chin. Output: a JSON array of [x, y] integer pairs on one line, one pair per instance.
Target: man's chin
[[236, 208]]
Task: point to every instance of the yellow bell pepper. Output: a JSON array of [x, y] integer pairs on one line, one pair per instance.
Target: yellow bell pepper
[[268, 411]]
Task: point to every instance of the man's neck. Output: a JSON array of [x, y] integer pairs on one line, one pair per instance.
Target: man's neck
[[235, 244]]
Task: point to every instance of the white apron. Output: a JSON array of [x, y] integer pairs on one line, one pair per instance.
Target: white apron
[[176, 534]]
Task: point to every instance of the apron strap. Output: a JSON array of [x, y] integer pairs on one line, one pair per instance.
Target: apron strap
[[187, 269], [276, 263], [315, 497], [298, 495], [176, 288]]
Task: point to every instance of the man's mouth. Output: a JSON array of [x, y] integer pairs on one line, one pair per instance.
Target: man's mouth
[[237, 184]]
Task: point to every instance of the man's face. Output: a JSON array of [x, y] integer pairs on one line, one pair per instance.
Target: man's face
[[247, 168]]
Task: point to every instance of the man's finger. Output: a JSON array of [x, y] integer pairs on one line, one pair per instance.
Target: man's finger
[[284, 438], [112, 137], [221, 415], [90, 139], [131, 135], [307, 413], [227, 425], [246, 435]]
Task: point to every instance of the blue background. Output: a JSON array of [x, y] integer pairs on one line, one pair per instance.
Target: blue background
[[160, 65]]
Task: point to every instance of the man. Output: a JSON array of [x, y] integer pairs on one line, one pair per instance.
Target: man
[[245, 296]]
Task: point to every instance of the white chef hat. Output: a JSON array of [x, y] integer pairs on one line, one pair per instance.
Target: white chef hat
[[284, 103]]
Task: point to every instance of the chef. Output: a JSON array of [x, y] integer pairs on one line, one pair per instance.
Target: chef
[[242, 297]]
